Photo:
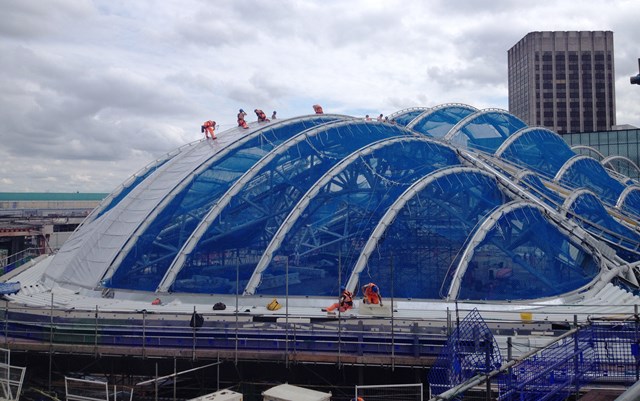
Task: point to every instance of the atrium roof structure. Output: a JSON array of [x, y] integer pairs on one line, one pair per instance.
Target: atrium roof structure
[[442, 203]]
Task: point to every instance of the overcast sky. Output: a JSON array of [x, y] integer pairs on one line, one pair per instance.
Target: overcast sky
[[92, 91]]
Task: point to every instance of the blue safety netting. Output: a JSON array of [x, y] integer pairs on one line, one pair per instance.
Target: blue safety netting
[[153, 251], [340, 218], [428, 235], [538, 149], [524, 256], [594, 218], [246, 225], [486, 130], [585, 172], [438, 121]]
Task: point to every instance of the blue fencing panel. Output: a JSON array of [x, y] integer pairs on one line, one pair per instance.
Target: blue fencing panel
[[552, 374], [470, 350]]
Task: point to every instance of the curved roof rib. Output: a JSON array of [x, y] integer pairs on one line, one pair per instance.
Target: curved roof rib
[[609, 159], [393, 212], [86, 259], [485, 140], [256, 138], [588, 148], [300, 139], [302, 205]]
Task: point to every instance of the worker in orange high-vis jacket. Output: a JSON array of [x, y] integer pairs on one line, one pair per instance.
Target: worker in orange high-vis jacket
[[345, 302], [371, 294], [261, 116], [241, 122], [318, 109], [208, 128]]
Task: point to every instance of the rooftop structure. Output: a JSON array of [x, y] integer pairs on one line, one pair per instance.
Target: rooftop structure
[[448, 209], [444, 203]]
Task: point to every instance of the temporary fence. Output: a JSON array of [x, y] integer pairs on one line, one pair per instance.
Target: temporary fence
[[470, 349], [11, 377], [602, 352]]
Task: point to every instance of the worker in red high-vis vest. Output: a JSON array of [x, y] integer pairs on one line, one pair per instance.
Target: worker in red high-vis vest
[[208, 129], [371, 294]]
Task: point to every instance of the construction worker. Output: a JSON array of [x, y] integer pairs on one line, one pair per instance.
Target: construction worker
[[318, 109], [344, 303], [371, 294], [273, 115], [241, 122], [261, 116], [208, 128]]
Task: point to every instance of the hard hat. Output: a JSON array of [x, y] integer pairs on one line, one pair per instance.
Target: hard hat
[[342, 288], [241, 111], [374, 288]]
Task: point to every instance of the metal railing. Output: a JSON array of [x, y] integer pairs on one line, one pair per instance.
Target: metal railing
[[18, 259]]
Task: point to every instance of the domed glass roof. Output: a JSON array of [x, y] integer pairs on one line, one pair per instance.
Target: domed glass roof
[[449, 202]]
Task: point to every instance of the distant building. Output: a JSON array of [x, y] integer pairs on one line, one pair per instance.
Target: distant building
[[34, 223], [563, 81]]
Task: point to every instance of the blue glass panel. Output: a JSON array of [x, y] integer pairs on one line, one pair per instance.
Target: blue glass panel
[[152, 254], [438, 123], [594, 217], [340, 218], [427, 236], [525, 257], [489, 130], [588, 173], [540, 150], [406, 118], [233, 244]]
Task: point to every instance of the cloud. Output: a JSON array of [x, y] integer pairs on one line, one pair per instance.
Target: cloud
[[91, 91]]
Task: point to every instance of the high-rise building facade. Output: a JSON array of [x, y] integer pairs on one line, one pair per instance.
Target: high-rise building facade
[[563, 81]]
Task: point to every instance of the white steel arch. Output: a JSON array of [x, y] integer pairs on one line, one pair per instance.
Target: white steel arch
[[573, 160], [238, 186], [478, 236], [609, 159], [435, 109], [572, 198], [299, 209], [625, 193], [405, 111], [456, 128], [213, 158], [589, 148], [521, 132], [393, 211]]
